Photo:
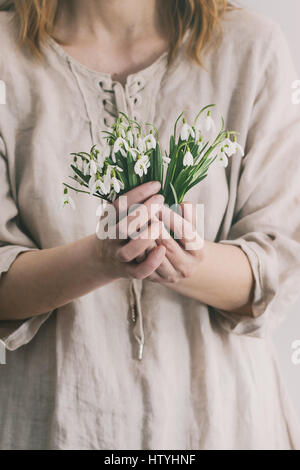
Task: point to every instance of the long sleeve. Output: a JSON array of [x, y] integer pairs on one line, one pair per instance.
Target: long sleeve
[[266, 224], [13, 241]]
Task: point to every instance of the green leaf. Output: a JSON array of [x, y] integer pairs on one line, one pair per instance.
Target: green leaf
[[132, 177], [158, 173], [85, 178], [174, 194]]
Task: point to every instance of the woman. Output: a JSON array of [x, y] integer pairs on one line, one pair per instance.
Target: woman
[[173, 352]]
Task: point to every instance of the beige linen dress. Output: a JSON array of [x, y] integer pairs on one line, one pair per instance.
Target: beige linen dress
[[207, 379]]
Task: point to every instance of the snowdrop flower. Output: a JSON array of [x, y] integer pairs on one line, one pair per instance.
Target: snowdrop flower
[[209, 124], [102, 155], [89, 168], [198, 130], [222, 158], [186, 131], [150, 141], [118, 185], [84, 167], [141, 144], [188, 159], [232, 147], [130, 136], [123, 133], [67, 200], [96, 184], [133, 152], [142, 165], [235, 147], [166, 159], [112, 195], [107, 182], [200, 143], [75, 162], [121, 146]]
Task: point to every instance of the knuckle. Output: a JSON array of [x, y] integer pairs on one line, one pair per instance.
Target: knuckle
[[185, 271], [137, 272], [154, 230], [140, 275], [122, 255], [151, 265], [171, 279]]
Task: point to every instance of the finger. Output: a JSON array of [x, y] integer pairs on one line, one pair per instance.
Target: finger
[[174, 252], [147, 267], [139, 217], [166, 271], [188, 212], [139, 245], [183, 230], [136, 196], [143, 256], [154, 277]]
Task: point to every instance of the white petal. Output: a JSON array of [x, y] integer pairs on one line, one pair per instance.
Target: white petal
[[93, 167], [188, 159], [72, 203], [85, 168], [141, 145], [137, 169], [223, 160], [184, 135], [240, 149]]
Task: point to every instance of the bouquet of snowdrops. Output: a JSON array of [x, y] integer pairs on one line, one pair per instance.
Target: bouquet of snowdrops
[[127, 156]]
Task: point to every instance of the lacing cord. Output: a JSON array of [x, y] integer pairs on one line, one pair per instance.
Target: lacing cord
[[137, 317], [115, 101]]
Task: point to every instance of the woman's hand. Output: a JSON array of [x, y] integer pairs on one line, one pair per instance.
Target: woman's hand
[[184, 255], [135, 235], [215, 274]]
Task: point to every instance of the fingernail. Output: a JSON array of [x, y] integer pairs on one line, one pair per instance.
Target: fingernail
[[160, 199], [156, 185]]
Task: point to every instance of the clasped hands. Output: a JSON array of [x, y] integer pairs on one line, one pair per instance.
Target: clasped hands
[[143, 247]]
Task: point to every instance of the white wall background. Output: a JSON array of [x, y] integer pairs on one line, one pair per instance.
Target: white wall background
[[287, 14]]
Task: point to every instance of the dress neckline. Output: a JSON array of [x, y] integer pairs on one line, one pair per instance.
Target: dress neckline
[[148, 70], [145, 72]]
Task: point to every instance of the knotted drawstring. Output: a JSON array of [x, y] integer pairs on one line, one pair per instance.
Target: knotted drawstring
[[135, 285], [137, 315], [119, 103]]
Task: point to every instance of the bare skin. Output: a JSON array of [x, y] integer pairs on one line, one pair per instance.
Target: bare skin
[[49, 274], [103, 36], [115, 37]]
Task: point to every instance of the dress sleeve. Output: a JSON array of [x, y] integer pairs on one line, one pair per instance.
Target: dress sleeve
[[266, 224], [13, 241]]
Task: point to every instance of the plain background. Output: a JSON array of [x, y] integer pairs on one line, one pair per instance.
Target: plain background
[[287, 14]]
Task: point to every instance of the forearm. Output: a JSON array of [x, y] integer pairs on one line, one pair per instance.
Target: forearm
[[223, 278], [40, 281]]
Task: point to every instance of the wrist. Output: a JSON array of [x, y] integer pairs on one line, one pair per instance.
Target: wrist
[[101, 264]]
